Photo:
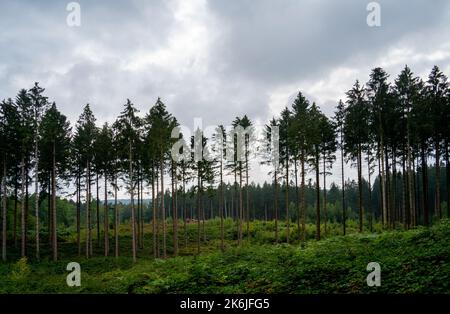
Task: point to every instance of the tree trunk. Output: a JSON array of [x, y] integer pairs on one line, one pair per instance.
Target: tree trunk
[[154, 206], [36, 195], [447, 169], [116, 220], [142, 213], [247, 200], [360, 200], [425, 186], [157, 212], [49, 208], [383, 184], [174, 210], [163, 208], [133, 219], [4, 210], [241, 205], [138, 212], [394, 189], [317, 195], [276, 204], [78, 213], [15, 212], [88, 211], [297, 198], [302, 198], [198, 210], [23, 228], [287, 201], [325, 194], [438, 180], [54, 233], [343, 187], [369, 205], [405, 205], [97, 209], [106, 218], [27, 207], [410, 175], [184, 208], [221, 207]]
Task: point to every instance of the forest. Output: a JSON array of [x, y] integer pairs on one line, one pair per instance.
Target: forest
[[61, 183]]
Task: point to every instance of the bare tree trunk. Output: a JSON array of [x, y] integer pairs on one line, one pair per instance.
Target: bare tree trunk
[[36, 195], [138, 213], [4, 210], [325, 195], [133, 218], [287, 202], [116, 220], [317, 165], [55, 236], [15, 213], [343, 188], [360, 200], [88, 211], [221, 207], [142, 213], [198, 211], [154, 206], [106, 218], [369, 205], [411, 189], [97, 209], [157, 213], [184, 209], [78, 213], [241, 205], [49, 208], [276, 205], [163, 209], [247, 201], [424, 186], [23, 228], [447, 169], [405, 205], [302, 196], [438, 181], [297, 198], [394, 189], [383, 184], [174, 211], [27, 199], [388, 189]]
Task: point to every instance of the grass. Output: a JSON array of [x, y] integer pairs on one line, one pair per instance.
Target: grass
[[413, 261]]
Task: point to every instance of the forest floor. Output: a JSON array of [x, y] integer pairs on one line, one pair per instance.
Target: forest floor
[[413, 261]]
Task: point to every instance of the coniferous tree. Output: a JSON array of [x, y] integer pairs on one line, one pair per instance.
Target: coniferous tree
[[355, 132], [127, 126], [104, 162], [39, 105], [10, 139], [55, 146], [339, 120], [83, 146]]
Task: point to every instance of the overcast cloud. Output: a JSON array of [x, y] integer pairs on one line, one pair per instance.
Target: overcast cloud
[[213, 59]]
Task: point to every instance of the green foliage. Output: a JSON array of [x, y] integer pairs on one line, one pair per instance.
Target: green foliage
[[20, 270], [414, 261]]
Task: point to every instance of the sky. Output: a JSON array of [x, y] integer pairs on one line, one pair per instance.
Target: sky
[[213, 60]]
